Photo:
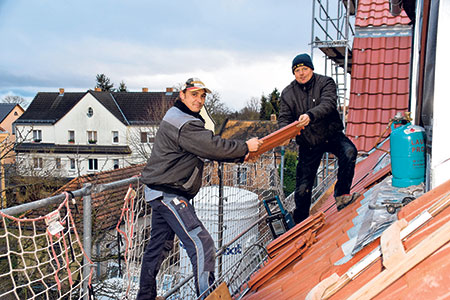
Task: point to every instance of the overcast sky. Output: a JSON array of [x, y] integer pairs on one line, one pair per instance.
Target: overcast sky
[[239, 48]]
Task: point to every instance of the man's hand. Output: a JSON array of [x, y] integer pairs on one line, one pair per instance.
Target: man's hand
[[304, 120], [253, 144]]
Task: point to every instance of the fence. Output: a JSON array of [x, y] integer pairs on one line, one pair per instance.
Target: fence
[[43, 257]]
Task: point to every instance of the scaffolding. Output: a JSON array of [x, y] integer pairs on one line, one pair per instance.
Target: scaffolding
[[332, 33]]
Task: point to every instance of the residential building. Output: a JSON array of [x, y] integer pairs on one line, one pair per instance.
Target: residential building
[[9, 112], [71, 134]]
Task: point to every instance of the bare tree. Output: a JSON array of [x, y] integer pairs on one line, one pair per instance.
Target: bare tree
[[15, 99], [217, 109], [251, 110]]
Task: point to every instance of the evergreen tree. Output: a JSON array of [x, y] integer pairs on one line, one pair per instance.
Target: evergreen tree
[[104, 83], [290, 168], [122, 87], [263, 109], [270, 105]]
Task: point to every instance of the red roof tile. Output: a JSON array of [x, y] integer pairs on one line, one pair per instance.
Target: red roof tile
[[380, 74], [379, 87], [376, 13]]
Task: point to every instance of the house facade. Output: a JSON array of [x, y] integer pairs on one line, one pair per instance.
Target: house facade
[[74, 134], [9, 112]]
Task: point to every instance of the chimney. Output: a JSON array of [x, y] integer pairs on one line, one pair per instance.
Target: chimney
[[97, 89], [273, 117], [169, 90], [145, 90], [61, 91]]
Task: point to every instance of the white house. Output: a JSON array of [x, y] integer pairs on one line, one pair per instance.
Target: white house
[[73, 134]]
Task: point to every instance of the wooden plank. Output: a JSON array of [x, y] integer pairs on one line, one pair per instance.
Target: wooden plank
[[413, 257], [277, 138], [317, 292], [220, 293], [391, 244]]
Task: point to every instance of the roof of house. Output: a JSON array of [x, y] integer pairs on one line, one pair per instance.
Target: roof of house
[[5, 110], [128, 107], [331, 242], [244, 130], [376, 13], [380, 72]]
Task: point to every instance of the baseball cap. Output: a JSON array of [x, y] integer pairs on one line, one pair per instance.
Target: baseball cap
[[194, 84]]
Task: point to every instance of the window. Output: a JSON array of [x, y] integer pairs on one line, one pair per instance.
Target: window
[[144, 138], [92, 137], [58, 162], [115, 137], [72, 164], [37, 162], [241, 176], [71, 136], [115, 164], [37, 136], [93, 164], [90, 112], [147, 137]]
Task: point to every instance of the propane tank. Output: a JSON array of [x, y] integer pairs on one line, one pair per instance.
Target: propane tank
[[407, 152]]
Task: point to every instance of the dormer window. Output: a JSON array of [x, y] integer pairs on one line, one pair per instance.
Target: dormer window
[[90, 112], [37, 136]]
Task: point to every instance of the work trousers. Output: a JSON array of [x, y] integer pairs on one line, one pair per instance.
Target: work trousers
[[308, 163], [172, 214]]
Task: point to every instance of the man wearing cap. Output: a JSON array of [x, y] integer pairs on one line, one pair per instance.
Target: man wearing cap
[[173, 176], [312, 100]]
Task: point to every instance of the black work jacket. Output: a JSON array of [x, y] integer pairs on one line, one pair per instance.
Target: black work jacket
[[318, 99]]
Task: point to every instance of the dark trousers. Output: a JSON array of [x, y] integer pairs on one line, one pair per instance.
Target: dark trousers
[[172, 214], [308, 163]]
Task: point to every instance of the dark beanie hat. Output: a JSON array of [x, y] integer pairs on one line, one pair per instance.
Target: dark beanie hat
[[302, 60]]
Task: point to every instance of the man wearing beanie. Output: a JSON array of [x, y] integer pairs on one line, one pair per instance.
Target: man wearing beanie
[[312, 100], [173, 176]]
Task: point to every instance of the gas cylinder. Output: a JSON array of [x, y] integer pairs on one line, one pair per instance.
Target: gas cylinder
[[407, 154]]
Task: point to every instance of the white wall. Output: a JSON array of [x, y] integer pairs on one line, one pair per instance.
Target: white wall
[[102, 121]]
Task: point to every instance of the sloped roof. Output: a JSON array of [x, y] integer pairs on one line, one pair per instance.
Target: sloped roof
[[376, 13], [301, 262], [49, 107], [106, 205], [145, 107], [244, 130], [380, 72], [127, 107], [5, 109]]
